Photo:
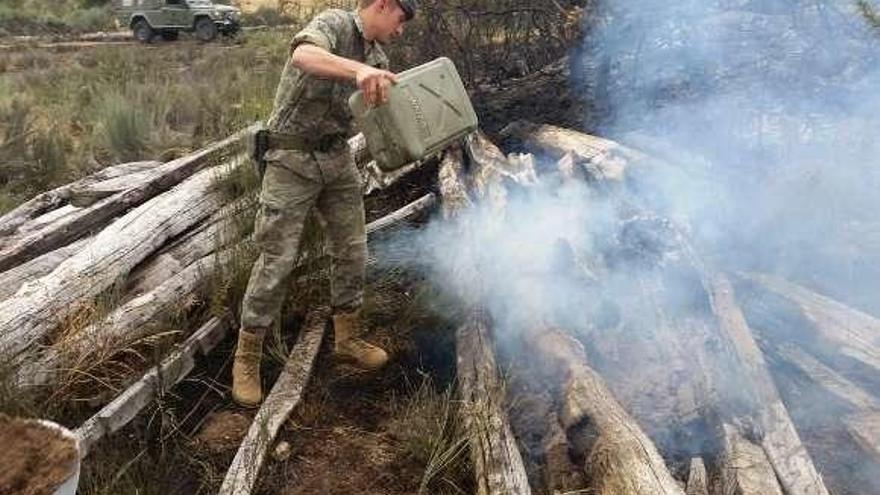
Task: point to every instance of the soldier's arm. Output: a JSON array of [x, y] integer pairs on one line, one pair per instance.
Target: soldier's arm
[[317, 61], [314, 52]]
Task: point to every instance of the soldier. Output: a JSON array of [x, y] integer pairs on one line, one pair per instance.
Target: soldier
[[309, 165]]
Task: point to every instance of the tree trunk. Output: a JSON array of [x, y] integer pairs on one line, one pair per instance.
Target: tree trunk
[[218, 231], [603, 159]]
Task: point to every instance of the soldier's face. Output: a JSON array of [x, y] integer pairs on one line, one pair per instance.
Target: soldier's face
[[391, 21]]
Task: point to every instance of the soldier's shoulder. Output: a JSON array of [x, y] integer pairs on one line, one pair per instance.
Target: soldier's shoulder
[[337, 17]]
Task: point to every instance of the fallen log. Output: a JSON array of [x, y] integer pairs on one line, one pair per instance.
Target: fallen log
[[744, 467], [454, 194], [12, 280], [490, 169], [498, 466], [171, 371], [864, 425], [82, 221], [847, 331], [698, 481], [282, 399], [828, 379], [40, 306], [84, 195], [412, 210], [127, 324], [791, 462], [50, 200], [497, 462], [865, 430], [218, 231], [603, 159], [619, 458]]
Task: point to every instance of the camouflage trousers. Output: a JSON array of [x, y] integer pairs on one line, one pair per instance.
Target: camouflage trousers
[[295, 182]]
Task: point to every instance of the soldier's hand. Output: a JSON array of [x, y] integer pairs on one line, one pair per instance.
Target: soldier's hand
[[375, 84]]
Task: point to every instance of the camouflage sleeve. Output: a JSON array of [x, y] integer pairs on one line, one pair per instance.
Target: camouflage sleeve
[[323, 31]]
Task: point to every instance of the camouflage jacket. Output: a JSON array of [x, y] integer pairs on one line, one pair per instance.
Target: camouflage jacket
[[313, 107]]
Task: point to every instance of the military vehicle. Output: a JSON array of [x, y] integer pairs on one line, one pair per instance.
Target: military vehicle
[[167, 18]]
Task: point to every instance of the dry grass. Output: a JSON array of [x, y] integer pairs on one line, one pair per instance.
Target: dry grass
[[429, 429]]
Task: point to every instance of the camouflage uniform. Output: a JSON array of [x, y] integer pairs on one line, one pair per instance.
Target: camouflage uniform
[[313, 109]]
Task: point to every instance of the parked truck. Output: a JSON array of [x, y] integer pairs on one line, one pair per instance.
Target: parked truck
[[167, 18]]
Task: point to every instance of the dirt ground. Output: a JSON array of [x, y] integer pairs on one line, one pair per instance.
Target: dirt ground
[[35, 460]]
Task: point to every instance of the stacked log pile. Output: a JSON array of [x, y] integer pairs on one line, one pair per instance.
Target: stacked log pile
[[684, 400], [93, 268]]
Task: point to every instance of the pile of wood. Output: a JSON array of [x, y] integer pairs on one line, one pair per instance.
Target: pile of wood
[[93, 268], [688, 399]]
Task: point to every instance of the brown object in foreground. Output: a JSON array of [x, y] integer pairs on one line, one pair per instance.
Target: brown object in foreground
[[35, 459]]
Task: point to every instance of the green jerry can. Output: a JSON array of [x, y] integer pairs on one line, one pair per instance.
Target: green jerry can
[[426, 110]]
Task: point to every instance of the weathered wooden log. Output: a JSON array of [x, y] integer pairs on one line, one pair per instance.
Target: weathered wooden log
[[168, 373], [76, 225], [498, 466], [40, 306], [47, 221], [847, 331], [453, 192], [698, 480], [604, 160], [490, 169], [84, 195], [50, 200], [620, 458], [216, 232], [865, 430], [127, 324], [828, 379], [412, 210], [12, 280], [282, 399], [497, 462], [744, 467], [791, 462], [864, 425]]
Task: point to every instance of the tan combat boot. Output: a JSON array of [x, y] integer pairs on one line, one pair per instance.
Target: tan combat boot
[[246, 387], [348, 346]]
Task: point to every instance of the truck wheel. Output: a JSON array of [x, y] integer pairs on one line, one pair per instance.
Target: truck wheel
[[170, 35], [206, 30], [142, 31]]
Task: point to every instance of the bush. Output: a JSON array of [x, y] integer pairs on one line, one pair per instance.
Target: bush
[[125, 128]]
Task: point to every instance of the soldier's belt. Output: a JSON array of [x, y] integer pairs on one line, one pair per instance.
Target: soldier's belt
[[292, 142]]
